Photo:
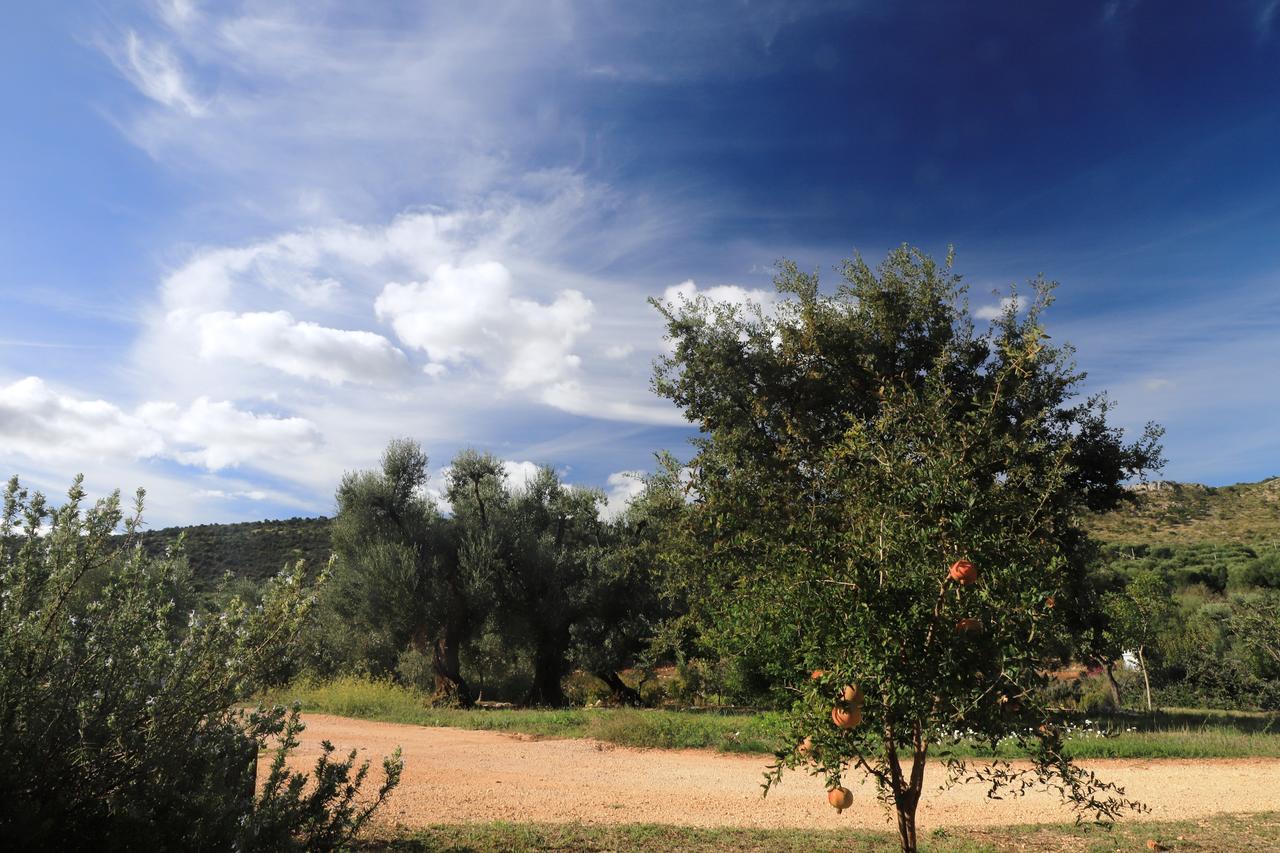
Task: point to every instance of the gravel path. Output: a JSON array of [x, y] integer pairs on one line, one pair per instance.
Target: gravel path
[[456, 775]]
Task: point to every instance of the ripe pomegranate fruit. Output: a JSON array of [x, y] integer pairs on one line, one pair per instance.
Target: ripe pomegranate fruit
[[846, 716], [806, 746], [963, 572], [840, 798], [969, 626]]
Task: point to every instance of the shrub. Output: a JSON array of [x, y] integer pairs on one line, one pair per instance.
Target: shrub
[[120, 726], [1095, 696]]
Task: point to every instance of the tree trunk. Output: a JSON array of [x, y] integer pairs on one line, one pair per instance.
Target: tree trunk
[[907, 828], [906, 792], [620, 691], [1146, 682], [548, 670], [450, 687], [1113, 685]]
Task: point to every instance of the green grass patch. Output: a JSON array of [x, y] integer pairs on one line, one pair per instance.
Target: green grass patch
[[1220, 833], [1171, 734], [383, 701]]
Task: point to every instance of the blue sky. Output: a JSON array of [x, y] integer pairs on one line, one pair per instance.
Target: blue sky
[[247, 243]]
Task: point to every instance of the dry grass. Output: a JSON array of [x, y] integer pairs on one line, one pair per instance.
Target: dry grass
[[1221, 833], [1190, 514]]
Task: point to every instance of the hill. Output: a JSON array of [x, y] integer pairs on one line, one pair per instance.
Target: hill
[[1168, 513], [253, 550], [1163, 513]]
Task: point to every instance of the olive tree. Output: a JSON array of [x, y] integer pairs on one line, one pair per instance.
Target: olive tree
[[540, 546], [886, 504], [624, 604], [397, 577], [120, 725]]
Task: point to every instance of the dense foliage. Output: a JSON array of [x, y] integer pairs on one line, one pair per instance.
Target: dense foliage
[[251, 552], [852, 447], [528, 575], [1198, 658], [120, 727]]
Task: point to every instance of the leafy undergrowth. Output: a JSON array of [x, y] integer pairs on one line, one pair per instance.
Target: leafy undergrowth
[[1220, 833], [1185, 734]]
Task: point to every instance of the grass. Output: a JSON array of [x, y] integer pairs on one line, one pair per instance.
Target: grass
[[1169, 734], [1221, 833], [350, 697]]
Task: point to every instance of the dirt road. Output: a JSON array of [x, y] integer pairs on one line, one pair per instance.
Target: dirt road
[[454, 776]]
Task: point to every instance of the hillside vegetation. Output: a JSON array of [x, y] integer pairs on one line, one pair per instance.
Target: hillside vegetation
[[252, 550], [1167, 513], [1164, 513]]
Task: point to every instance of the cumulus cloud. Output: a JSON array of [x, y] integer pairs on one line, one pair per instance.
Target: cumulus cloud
[[218, 435], [622, 488], [723, 294], [299, 348], [44, 425], [471, 313], [997, 310], [40, 423]]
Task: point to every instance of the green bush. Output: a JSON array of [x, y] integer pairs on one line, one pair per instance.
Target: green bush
[[1095, 696], [121, 729]]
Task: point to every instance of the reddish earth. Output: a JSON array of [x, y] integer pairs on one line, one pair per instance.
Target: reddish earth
[[456, 776]]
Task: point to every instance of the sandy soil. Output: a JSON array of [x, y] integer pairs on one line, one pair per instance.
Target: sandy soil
[[455, 776]]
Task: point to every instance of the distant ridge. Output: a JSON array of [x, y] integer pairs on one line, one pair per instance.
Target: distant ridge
[[1164, 512], [252, 550], [1167, 513]]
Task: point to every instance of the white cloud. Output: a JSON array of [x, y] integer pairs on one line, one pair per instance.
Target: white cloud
[[471, 313], [996, 311], [223, 495], [218, 435], [43, 424], [615, 352], [623, 487], [299, 348], [158, 74], [604, 403], [518, 475], [723, 294], [178, 13], [1158, 383]]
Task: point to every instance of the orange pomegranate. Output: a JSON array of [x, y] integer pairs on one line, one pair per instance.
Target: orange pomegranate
[[969, 625], [817, 673], [1049, 602], [851, 694], [963, 572], [840, 798], [806, 746], [846, 716]]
